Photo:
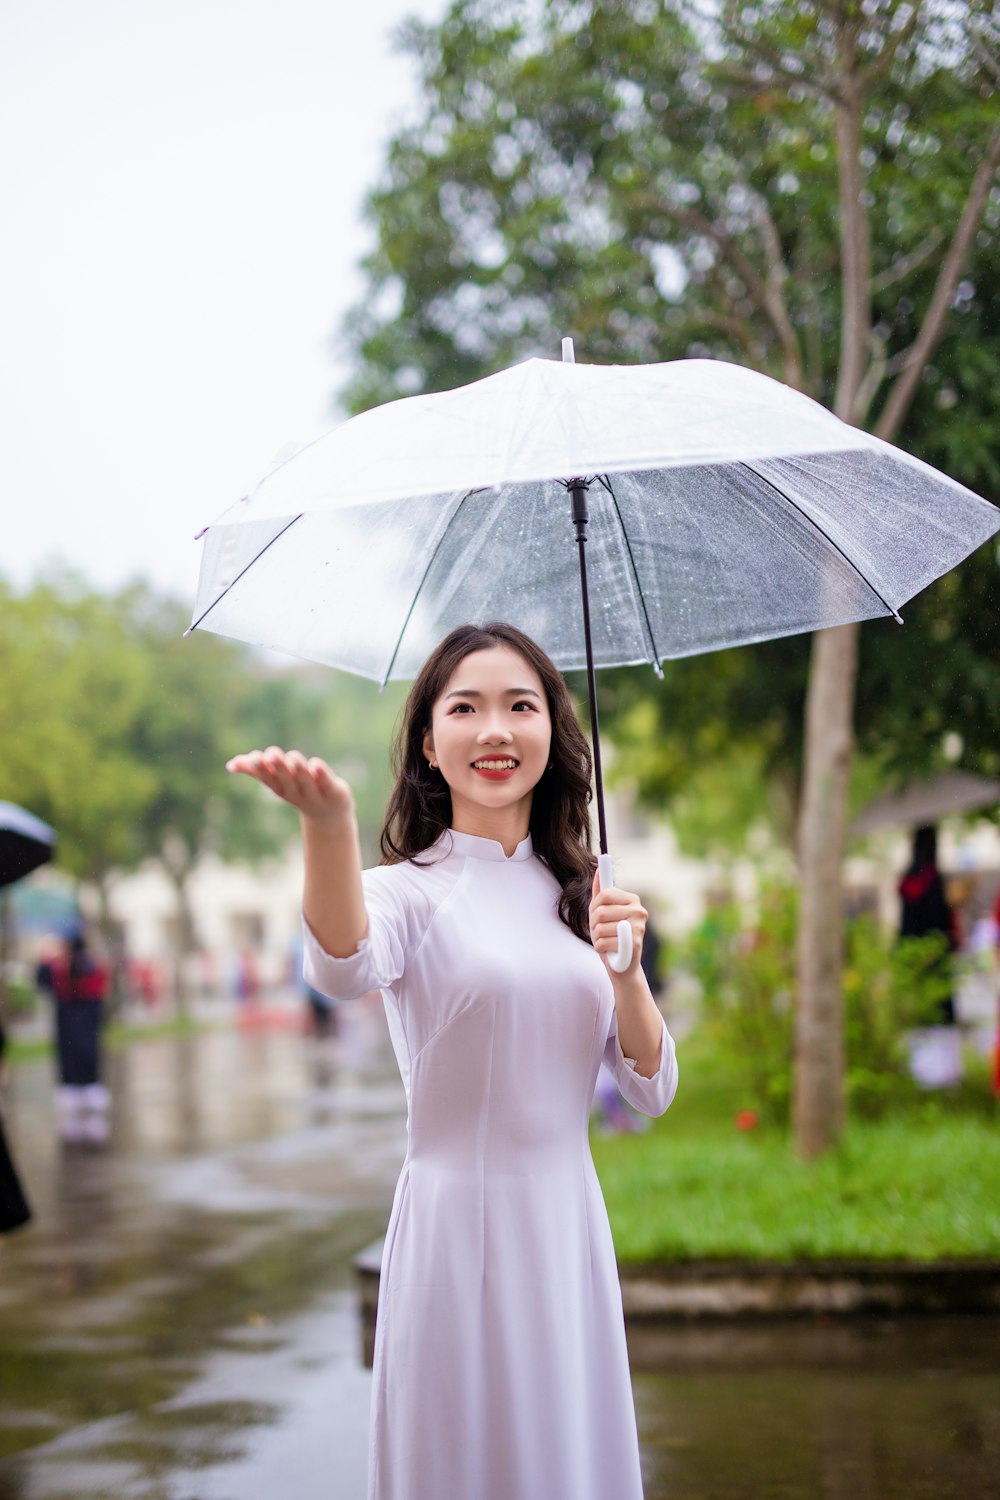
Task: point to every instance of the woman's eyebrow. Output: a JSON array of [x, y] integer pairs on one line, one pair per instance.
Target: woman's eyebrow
[[517, 692]]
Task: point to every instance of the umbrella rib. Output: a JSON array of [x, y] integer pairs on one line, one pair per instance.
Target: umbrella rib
[[826, 537], [423, 580], [605, 481], [195, 623]]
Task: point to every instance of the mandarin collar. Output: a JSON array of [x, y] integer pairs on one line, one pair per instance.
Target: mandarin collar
[[471, 845]]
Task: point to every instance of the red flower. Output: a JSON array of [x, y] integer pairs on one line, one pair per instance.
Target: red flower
[[747, 1119]]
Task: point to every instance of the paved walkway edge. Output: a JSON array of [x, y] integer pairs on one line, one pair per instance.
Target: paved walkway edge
[[748, 1289]]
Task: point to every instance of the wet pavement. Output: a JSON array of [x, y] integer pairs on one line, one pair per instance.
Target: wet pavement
[[181, 1324], [180, 1321], [858, 1409]]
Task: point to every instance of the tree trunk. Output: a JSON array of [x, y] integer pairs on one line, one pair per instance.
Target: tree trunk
[[818, 1102], [818, 1090], [855, 251]]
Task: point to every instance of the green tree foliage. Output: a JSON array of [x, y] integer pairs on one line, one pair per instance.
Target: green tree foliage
[[661, 182], [73, 683], [659, 179], [116, 731]]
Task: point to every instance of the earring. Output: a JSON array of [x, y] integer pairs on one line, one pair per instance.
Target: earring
[[433, 765]]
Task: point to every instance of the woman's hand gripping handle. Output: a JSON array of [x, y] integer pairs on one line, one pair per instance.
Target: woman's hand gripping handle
[[620, 959]]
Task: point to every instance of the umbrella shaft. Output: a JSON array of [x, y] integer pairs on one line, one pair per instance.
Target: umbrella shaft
[[581, 517]]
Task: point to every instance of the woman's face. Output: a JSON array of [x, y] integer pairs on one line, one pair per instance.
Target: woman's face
[[490, 734]]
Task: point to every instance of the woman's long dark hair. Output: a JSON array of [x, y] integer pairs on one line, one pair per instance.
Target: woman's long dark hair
[[419, 809]]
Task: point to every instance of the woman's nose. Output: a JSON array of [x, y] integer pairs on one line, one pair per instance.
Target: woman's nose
[[494, 734]]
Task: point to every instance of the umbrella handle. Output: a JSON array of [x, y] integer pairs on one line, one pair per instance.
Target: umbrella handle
[[619, 960]]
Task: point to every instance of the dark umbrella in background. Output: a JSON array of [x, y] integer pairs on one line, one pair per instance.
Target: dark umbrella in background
[[25, 843]]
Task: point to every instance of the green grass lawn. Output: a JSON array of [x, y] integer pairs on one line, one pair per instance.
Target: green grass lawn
[[920, 1183]]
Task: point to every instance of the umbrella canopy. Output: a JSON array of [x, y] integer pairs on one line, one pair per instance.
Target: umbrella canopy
[[25, 843], [725, 508], [927, 800]]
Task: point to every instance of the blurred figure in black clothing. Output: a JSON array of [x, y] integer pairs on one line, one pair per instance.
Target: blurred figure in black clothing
[[925, 908], [14, 1210]]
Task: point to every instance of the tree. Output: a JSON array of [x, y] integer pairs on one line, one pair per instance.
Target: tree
[[806, 188], [118, 733], [72, 682]]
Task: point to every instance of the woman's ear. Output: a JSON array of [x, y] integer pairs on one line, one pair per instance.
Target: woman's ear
[[428, 745]]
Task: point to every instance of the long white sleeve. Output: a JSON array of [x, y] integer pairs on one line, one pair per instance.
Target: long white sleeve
[[381, 954], [651, 1096]]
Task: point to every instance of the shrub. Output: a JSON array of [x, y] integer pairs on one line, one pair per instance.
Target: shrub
[[746, 974], [890, 987], [744, 965], [22, 997]]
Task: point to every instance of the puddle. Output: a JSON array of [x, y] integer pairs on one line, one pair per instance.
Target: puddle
[[877, 1410]]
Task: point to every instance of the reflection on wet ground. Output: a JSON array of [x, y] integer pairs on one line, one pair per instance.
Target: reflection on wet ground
[[180, 1322], [856, 1410], [180, 1316]]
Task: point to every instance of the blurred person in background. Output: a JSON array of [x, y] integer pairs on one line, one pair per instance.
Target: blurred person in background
[[935, 1050], [77, 982]]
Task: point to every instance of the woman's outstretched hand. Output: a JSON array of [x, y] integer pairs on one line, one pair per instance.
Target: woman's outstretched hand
[[307, 785], [607, 909]]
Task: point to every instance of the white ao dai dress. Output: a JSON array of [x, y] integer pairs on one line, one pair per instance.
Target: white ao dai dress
[[501, 1371]]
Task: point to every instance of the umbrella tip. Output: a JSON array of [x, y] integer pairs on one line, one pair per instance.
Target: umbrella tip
[[568, 354]]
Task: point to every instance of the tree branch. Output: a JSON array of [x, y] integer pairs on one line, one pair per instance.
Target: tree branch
[[768, 299], [986, 55], [932, 328], [873, 378], [777, 277], [855, 243], [810, 78], [881, 65], [727, 323], [784, 78], [907, 263]]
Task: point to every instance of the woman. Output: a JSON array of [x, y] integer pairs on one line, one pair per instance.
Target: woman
[[500, 1365]]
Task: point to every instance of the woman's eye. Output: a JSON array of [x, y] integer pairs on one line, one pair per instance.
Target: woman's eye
[[461, 708], [525, 704]]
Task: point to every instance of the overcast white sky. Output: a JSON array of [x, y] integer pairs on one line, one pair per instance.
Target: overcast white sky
[[181, 183]]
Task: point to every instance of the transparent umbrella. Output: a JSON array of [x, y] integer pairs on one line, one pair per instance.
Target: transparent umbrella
[[927, 800], [713, 506]]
